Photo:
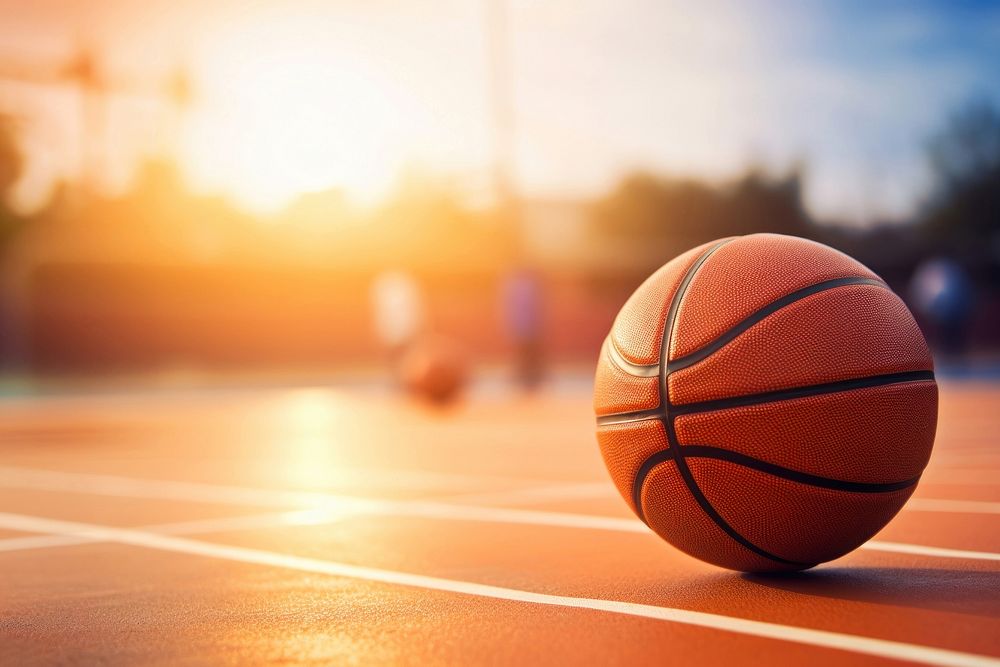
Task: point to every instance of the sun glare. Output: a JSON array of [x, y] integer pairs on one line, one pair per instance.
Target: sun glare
[[282, 113]]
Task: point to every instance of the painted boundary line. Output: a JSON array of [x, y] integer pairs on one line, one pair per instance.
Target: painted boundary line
[[129, 487], [196, 527], [571, 491], [954, 506], [818, 638]]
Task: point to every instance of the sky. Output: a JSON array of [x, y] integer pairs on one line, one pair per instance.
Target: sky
[[297, 96]]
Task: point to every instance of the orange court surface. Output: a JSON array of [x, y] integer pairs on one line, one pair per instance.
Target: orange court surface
[[337, 525]]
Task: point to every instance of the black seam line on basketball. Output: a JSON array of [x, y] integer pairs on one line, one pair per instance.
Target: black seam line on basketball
[[758, 315], [630, 417], [618, 359], [677, 456], [672, 442], [664, 407], [647, 466], [717, 453], [801, 392], [707, 507]]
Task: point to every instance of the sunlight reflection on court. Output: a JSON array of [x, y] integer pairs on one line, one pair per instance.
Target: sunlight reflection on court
[[311, 429]]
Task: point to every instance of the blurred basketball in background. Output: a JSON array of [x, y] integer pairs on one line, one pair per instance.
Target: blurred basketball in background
[[765, 403], [434, 369]]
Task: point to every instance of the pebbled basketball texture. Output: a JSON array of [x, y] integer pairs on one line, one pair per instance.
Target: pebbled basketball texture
[[765, 403]]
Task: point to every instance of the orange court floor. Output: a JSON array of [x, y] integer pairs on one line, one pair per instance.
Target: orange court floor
[[336, 525]]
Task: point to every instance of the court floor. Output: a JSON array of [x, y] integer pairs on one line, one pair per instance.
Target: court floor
[[321, 525]]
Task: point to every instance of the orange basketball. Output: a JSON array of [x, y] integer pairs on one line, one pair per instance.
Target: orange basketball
[[765, 403], [434, 370]]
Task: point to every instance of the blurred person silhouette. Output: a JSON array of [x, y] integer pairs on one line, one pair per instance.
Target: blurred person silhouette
[[942, 292], [399, 312], [522, 312]]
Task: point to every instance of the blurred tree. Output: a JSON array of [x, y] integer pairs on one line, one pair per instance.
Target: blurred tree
[[962, 217], [650, 219], [760, 203], [657, 210], [425, 225]]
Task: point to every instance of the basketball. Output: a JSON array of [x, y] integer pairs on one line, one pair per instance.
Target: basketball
[[765, 403], [434, 370]]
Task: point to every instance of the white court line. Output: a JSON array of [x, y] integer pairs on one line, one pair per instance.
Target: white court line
[[818, 638], [537, 494], [408, 479], [426, 480], [132, 487], [956, 506], [921, 550], [202, 526], [110, 485], [525, 496], [308, 517], [943, 473]]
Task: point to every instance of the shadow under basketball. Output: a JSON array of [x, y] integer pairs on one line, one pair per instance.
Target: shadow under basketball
[[964, 591]]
